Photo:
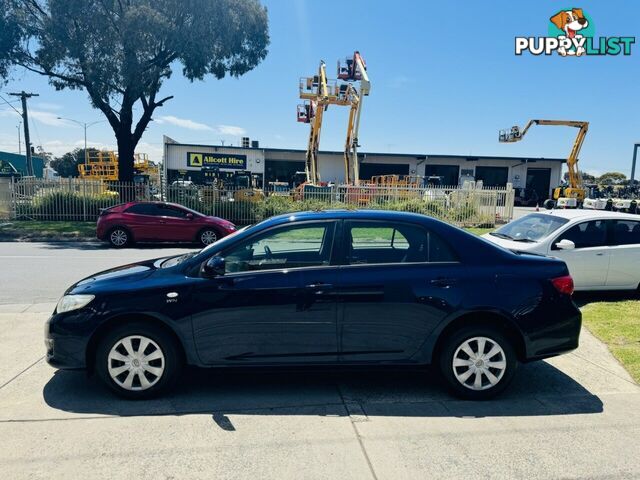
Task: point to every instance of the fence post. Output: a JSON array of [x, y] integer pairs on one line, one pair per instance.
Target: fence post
[[84, 199]]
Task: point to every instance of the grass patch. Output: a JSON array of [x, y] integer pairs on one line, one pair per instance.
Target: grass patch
[[33, 230], [617, 323], [479, 230]]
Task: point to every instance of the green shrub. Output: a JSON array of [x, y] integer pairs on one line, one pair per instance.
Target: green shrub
[[66, 205]]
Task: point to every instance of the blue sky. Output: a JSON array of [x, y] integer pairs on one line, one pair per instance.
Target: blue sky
[[444, 80]]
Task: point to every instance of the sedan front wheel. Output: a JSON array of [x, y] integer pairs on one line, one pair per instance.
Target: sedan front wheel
[[137, 360]]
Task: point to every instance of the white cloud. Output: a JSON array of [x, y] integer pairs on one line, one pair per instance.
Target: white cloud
[[48, 106], [400, 81], [230, 130], [48, 118], [8, 112], [183, 123]]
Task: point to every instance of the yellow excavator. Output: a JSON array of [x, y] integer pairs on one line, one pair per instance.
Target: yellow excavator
[[564, 196]]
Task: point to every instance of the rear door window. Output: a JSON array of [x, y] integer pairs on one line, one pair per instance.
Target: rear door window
[[586, 234], [379, 243], [143, 209], [169, 211], [626, 232]]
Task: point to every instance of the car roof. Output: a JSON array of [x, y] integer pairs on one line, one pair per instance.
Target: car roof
[[350, 214], [582, 213]]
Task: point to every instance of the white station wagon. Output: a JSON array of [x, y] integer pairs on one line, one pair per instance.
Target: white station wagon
[[601, 249]]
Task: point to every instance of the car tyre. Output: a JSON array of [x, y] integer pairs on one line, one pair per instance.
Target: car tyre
[[138, 360], [207, 236], [477, 362], [549, 204], [119, 237]]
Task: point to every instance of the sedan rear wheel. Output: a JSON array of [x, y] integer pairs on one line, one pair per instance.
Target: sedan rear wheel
[[137, 360], [477, 362]]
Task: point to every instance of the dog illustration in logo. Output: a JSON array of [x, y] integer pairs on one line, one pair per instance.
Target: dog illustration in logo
[[570, 22]]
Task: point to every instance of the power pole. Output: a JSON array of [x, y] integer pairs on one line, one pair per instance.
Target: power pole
[[25, 120]]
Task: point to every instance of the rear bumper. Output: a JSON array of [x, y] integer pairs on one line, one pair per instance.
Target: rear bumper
[[560, 337]]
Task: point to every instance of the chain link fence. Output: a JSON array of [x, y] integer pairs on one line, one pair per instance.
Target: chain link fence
[[77, 199]]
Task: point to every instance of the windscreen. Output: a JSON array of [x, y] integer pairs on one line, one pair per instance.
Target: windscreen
[[531, 228]]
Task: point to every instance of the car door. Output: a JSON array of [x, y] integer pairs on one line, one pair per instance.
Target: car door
[[588, 262], [275, 303], [174, 225], [624, 263], [397, 283], [143, 221]]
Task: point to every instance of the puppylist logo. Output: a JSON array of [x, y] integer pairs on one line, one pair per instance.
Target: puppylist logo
[[572, 33]]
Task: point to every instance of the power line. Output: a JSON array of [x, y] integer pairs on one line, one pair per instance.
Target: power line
[[9, 103]]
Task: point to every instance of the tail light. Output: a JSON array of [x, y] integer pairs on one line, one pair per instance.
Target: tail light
[[563, 285]]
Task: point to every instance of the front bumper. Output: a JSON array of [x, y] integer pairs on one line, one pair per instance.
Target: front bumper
[[66, 337]]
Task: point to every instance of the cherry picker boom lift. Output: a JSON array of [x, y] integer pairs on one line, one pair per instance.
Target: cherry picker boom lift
[[564, 196], [318, 93]]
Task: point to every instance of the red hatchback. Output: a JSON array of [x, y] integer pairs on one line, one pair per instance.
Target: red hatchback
[[131, 222]]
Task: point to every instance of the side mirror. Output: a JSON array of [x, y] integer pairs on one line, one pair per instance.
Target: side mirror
[[214, 267], [189, 216], [565, 244]]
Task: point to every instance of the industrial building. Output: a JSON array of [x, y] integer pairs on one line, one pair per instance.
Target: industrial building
[[186, 161], [19, 162]]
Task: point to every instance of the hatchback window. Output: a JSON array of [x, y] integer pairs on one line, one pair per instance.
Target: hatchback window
[[375, 243], [586, 234], [626, 232], [168, 211], [286, 247], [143, 209]]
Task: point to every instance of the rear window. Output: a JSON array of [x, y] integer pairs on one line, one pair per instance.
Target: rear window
[[626, 232]]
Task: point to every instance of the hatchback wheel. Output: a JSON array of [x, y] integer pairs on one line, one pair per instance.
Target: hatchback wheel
[[477, 362], [208, 236], [119, 237], [137, 361]]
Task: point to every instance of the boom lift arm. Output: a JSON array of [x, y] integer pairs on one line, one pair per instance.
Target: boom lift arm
[[575, 189], [355, 69]]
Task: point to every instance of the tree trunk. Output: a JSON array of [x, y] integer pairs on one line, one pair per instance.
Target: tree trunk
[[126, 149]]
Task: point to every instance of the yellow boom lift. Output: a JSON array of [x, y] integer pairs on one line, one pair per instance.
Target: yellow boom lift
[[564, 196], [318, 93]]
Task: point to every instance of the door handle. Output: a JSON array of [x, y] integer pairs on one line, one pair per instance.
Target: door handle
[[599, 254], [443, 282]]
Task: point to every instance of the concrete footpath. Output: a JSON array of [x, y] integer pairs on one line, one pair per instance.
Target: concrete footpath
[[576, 416]]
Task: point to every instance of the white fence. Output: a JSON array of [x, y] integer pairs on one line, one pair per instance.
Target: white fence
[[81, 200]]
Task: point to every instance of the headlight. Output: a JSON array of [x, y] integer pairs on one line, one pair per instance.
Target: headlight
[[73, 302]]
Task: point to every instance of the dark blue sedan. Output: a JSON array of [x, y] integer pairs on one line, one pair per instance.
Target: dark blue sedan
[[321, 288]]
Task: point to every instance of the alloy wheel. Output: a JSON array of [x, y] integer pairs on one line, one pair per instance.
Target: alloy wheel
[[479, 363], [135, 363], [119, 237], [208, 237]]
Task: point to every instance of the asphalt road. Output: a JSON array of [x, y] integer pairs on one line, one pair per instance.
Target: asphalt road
[[41, 272], [575, 416]]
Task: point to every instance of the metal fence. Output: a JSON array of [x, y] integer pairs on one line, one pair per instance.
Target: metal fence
[[82, 200]]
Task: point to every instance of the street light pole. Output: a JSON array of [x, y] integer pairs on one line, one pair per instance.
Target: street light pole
[[84, 125], [19, 139]]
